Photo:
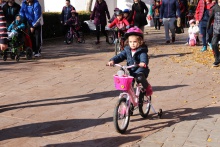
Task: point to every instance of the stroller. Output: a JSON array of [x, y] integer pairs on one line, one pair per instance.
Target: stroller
[[18, 45]]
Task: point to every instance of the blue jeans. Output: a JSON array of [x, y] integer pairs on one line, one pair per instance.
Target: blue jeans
[[206, 34], [169, 25]]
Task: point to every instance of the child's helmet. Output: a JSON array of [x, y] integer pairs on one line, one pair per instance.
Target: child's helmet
[[116, 9], [191, 21], [134, 31], [119, 12], [126, 11]]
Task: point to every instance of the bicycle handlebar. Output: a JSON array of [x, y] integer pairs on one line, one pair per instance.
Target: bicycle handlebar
[[126, 67]]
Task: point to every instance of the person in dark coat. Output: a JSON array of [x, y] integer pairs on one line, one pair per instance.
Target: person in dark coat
[[99, 13], [215, 15], [139, 13], [156, 15], [11, 10], [65, 15]]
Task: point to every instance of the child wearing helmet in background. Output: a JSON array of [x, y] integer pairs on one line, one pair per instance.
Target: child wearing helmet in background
[[126, 14], [193, 33], [114, 15], [120, 22], [73, 22], [135, 53]]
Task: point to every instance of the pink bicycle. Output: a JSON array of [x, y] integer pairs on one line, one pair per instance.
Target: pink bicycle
[[129, 100]]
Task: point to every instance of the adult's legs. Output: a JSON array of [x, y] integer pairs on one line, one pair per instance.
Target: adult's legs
[[104, 32], [98, 32], [37, 39], [215, 40], [203, 34], [166, 28], [172, 27], [155, 23]]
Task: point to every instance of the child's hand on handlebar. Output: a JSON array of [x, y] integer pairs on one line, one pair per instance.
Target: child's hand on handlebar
[[110, 63]]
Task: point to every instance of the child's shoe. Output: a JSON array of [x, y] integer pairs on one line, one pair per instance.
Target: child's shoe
[[79, 40], [204, 48], [149, 90], [210, 45]]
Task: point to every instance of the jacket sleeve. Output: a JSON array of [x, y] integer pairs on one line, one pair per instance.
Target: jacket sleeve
[[22, 10], [92, 16], [119, 58], [113, 23], [21, 26], [161, 10], [107, 12], [61, 15], [211, 18], [178, 8], [197, 11], [146, 9], [144, 58], [3, 28], [37, 15], [126, 22]]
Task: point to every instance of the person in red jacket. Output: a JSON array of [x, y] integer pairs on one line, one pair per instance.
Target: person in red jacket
[[203, 11], [120, 22]]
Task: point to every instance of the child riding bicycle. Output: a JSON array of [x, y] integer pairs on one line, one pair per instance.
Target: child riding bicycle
[[135, 53], [120, 22], [74, 23]]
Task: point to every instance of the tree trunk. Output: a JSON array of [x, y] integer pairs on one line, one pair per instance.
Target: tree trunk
[[89, 5]]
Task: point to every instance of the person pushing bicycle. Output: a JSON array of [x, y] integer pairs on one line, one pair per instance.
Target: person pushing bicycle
[[73, 22], [135, 53]]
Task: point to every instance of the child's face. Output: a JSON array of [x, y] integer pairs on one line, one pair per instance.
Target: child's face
[[157, 3], [192, 24], [73, 14], [18, 18], [125, 15], [133, 42], [119, 17]]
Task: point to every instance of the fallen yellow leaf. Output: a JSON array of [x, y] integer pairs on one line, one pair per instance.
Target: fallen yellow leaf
[[209, 140]]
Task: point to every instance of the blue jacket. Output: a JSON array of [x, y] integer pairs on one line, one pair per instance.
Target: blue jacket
[[139, 56], [31, 13], [16, 24], [169, 8]]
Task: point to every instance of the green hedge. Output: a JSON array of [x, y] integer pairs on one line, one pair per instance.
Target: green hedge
[[52, 27]]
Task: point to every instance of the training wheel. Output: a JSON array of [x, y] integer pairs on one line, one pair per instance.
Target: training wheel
[[160, 113]]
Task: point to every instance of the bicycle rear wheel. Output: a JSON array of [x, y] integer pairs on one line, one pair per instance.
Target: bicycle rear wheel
[[69, 37], [111, 37], [121, 116], [144, 105]]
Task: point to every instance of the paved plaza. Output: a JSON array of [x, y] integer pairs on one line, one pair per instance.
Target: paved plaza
[[67, 97]]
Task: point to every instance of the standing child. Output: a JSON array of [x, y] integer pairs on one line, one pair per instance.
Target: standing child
[[135, 53], [193, 33], [156, 15], [126, 14], [74, 23]]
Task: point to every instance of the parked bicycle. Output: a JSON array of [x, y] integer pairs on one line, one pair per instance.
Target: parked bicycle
[[129, 100], [71, 35]]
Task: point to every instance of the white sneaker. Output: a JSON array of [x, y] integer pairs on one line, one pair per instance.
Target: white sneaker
[[37, 55]]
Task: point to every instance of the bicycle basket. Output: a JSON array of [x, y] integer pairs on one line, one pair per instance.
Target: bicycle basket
[[123, 83]]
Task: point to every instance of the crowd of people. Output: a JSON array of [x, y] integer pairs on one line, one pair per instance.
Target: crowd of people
[[15, 19], [169, 13]]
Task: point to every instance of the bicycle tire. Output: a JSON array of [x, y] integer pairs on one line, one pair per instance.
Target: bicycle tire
[[123, 114], [144, 101], [117, 47], [69, 37], [111, 37]]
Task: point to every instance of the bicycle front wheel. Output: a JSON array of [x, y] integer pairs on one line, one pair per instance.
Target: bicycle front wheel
[[144, 105], [117, 47], [69, 37], [111, 37], [121, 116]]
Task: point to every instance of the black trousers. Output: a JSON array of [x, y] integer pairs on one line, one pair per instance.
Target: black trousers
[[157, 23], [36, 39], [98, 31], [141, 78], [215, 40]]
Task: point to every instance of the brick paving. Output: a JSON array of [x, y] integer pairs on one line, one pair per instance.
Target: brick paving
[[67, 98]]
